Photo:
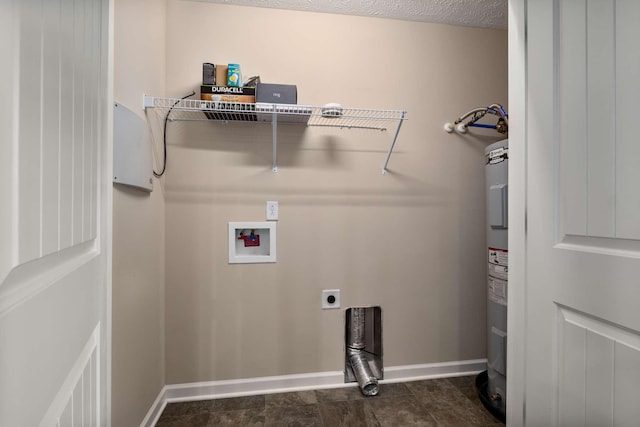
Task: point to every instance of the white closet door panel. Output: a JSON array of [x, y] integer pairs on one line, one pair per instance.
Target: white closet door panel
[[51, 122], [99, 115], [77, 403], [626, 381], [78, 120], [586, 282], [95, 122], [587, 125], [572, 85], [90, 102], [8, 143], [66, 419], [86, 122], [598, 371], [29, 129], [51, 142], [66, 125], [55, 176], [599, 380], [627, 116], [58, 63], [601, 117], [87, 392], [571, 386]]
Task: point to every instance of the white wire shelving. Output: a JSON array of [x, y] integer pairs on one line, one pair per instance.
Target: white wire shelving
[[334, 116]]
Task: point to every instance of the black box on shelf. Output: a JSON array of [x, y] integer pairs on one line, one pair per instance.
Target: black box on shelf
[[208, 73], [276, 93]]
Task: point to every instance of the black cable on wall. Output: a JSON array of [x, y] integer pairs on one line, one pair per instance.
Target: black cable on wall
[[164, 135]]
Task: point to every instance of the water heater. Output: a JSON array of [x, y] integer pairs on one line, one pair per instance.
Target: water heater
[[492, 383]]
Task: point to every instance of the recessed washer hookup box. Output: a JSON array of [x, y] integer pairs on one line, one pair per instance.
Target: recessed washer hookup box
[[276, 93]]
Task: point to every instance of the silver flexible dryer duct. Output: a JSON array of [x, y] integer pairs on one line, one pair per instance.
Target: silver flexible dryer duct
[[367, 381]]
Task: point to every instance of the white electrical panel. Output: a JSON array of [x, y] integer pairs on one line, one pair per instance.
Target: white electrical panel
[[132, 164]]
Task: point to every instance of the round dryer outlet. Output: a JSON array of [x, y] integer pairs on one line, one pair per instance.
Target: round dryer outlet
[[330, 298]]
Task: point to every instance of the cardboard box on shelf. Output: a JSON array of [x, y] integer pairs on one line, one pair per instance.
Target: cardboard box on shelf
[[221, 74], [227, 97]]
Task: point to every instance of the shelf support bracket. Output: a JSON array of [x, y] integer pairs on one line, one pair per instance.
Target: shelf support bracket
[[147, 101], [274, 128], [393, 143]]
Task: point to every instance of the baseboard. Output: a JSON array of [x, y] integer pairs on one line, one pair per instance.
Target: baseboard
[[396, 374], [313, 381]]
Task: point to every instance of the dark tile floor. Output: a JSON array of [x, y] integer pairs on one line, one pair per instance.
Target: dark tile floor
[[442, 402]]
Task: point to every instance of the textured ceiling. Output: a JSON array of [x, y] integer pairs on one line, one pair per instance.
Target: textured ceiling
[[474, 13]]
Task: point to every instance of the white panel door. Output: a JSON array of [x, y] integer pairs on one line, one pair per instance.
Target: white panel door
[[581, 153], [55, 204]]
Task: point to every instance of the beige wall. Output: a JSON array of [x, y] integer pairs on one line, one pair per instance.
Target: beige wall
[[411, 241], [138, 226]]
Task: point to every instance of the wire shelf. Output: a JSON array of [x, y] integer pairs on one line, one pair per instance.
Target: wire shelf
[[330, 115], [357, 118]]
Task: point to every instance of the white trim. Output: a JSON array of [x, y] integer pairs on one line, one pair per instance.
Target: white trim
[[156, 409], [606, 329], [105, 417], [28, 280], [626, 248], [517, 212], [404, 373], [300, 382]]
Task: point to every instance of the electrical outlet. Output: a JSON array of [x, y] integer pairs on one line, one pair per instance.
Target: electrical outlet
[[330, 298], [272, 210]]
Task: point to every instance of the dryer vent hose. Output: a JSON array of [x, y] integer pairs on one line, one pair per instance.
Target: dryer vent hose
[[357, 358]]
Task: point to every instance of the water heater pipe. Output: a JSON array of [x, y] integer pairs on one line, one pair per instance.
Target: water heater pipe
[[476, 114], [367, 381]]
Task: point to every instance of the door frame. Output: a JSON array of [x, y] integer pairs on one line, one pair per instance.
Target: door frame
[[108, 189], [516, 298]]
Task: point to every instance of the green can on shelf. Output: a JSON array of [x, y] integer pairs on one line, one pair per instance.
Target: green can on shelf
[[234, 77]]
